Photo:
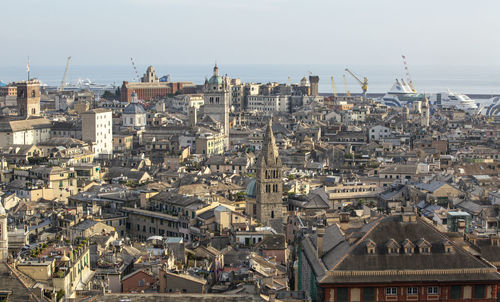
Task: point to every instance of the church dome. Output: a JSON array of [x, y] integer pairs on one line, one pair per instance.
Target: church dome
[[252, 188], [215, 80], [134, 108]]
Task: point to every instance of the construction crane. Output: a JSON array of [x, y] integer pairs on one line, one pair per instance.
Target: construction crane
[[347, 93], [364, 84], [333, 88], [65, 77], [135, 69], [408, 78]]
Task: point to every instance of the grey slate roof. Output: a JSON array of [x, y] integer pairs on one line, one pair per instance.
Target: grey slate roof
[[134, 108], [356, 258], [430, 187]]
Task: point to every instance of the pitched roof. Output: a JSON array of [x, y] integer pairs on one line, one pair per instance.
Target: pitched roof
[[430, 187], [272, 242], [356, 257]]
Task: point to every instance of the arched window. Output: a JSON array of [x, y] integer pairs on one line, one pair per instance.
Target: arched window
[[272, 214]]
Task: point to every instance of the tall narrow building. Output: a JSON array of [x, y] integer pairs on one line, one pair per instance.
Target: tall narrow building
[[217, 97], [269, 185], [425, 117], [4, 240], [28, 98]]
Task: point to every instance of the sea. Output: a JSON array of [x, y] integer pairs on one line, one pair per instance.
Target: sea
[[477, 80]]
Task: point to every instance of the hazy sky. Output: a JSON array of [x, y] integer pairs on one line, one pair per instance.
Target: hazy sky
[[96, 32]]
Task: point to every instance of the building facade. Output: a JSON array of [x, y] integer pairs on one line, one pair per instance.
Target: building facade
[[217, 100], [268, 104], [150, 87], [97, 126], [28, 98], [4, 239]]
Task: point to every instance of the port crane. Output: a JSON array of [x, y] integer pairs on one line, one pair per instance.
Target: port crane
[[135, 69], [347, 93], [364, 83], [333, 88], [65, 76], [408, 78]]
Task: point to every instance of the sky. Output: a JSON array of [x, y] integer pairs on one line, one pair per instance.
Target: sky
[[362, 32]]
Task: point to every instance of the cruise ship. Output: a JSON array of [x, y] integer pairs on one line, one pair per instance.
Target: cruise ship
[[401, 94], [451, 99]]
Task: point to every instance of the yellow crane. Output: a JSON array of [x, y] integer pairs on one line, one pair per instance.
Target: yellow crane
[[333, 88], [364, 84], [347, 93]]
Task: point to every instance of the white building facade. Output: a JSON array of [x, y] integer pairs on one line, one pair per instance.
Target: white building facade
[[97, 126], [24, 132], [378, 132], [268, 104]]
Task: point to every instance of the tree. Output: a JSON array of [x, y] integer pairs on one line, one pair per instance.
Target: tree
[[108, 95], [60, 294]]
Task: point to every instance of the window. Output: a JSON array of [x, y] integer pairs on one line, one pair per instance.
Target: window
[[479, 291], [433, 290], [412, 290], [391, 291], [369, 294], [456, 292], [272, 214], [141, 282], [342, 294]]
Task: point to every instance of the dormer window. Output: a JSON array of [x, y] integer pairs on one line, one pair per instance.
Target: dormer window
[[448, 248], [424, 247], [370, 247], [392, 246], [408, 246], [495, 240]]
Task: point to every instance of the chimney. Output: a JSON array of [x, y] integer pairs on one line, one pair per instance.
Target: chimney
[[320, 233]]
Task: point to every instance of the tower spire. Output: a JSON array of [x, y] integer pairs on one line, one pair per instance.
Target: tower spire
[[216, 70], [269, 184]]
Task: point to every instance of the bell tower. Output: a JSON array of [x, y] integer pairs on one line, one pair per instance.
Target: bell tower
[[269, 184], [217, 97], [28, 98]]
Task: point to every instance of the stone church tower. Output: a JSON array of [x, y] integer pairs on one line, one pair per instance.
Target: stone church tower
[[217, 91], [4, 239], [28, 98], [269, 185]]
